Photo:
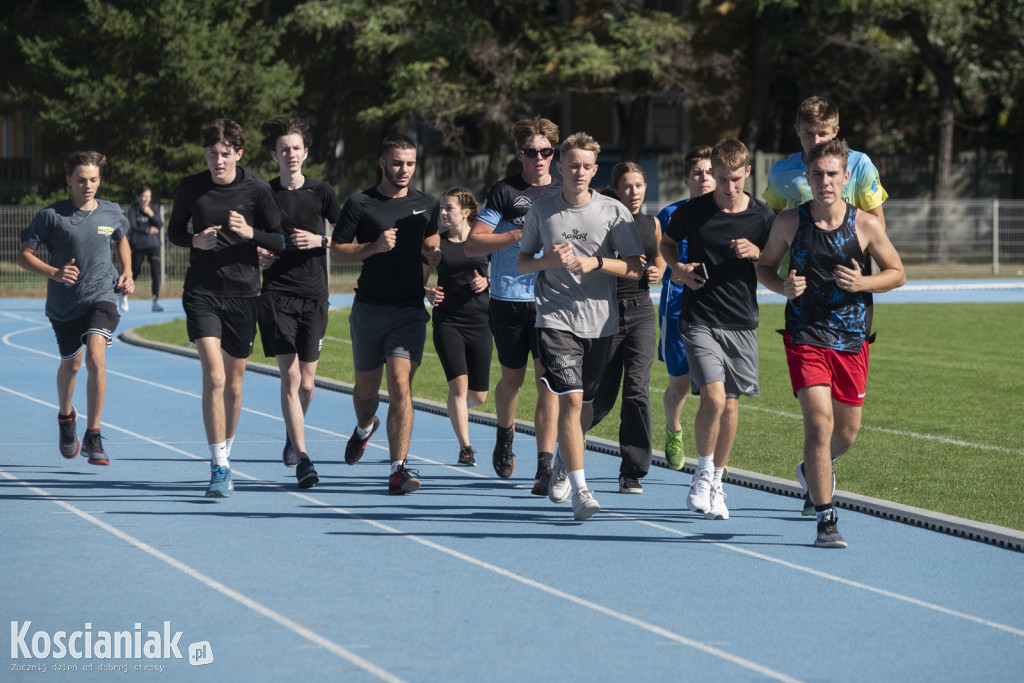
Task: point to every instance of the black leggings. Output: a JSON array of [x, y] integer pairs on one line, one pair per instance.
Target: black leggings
[[153, 254]]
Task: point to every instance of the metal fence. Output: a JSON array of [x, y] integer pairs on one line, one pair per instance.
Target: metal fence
[[962, 238]]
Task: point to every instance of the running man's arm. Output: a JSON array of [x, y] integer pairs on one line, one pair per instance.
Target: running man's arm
[[779, 240], [483, 240]]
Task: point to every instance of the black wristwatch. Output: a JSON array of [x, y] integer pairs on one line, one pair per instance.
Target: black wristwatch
[[323, 242], [600, 263]]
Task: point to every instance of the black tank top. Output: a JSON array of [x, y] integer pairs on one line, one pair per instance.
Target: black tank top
[[625, 287]]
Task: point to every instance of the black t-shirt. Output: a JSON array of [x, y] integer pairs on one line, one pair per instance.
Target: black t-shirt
[[231, 268], [395, 277], [461, 305], [727, 300], [303, 272]]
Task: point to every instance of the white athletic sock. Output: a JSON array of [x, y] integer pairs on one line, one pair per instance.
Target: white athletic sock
[[577, 481], [716, 479], [706, 462], [363, 432], [228, 444], [219, 454], [395, 464]]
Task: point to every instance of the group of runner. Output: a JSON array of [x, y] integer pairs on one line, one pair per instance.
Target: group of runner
[[547, 267]]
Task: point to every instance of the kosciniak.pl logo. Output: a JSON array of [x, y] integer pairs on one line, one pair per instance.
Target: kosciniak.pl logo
[[87, 644]]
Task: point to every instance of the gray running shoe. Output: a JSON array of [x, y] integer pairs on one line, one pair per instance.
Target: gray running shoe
[[69, 444]]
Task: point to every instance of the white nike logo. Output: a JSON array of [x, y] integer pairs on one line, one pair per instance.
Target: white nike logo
[[417, 213]]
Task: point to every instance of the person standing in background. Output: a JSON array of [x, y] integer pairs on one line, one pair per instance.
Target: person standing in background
[[144, 236]]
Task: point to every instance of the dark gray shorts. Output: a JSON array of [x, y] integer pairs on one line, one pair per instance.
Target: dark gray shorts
[[571, 363], [380, 332], [717, 355]]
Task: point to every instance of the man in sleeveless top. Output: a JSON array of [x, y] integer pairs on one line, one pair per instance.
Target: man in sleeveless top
[[829, 243]]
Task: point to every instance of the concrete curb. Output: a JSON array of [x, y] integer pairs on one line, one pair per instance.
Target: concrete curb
[[935, 521]]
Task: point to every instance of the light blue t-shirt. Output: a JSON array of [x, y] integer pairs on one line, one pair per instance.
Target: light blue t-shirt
[[788, 187]]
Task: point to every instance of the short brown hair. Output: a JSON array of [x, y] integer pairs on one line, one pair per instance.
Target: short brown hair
[[466, 200], [279, 127], [396, 141], [223, 130], [581, 141], [730, 154], [527, 129], [76, 159], [830, 148], [698, 153], [818, 111]]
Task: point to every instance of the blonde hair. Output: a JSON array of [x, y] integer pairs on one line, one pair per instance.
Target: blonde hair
[[581, 141]]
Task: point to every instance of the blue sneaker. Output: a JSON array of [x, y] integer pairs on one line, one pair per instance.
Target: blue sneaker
[[220, 482], [305, 473], [288, 455]]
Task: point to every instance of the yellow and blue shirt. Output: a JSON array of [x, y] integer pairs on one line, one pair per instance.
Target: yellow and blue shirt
[[788, 187]]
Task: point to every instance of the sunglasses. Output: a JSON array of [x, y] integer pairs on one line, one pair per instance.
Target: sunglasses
[[531, 153]]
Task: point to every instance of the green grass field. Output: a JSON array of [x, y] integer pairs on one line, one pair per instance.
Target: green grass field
[[942, 421]]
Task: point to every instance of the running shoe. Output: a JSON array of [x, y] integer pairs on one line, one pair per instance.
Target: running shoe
[[630, 485], [157, 308], [503, 459], [584, 505], [699, 497], [305, 473], [717, 508], [559, 487], [288, 455], [828, 533], [466, 457], [221, 485], [356, 446], [541, 480], [801, 477], [674, 449], [92, 446], [403, 481], [69, 444]]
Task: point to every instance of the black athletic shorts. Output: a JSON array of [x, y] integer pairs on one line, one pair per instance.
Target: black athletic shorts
[[512, 324], [571, 363], [230, 319], [101, 318], [291, 324], [464, 350]]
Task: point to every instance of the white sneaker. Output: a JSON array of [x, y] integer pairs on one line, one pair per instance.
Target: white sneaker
[[559, 488], [699, 498], [122, 302], [717, 508], [584, 506]]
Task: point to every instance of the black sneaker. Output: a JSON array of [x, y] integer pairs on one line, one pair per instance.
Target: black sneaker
[[305, 473], [828, 534], [288, 455], [355, 447], [503, 459], [466, 458], [630, 485], [403, 481], [69, 444], [541, 480], [92, 446]]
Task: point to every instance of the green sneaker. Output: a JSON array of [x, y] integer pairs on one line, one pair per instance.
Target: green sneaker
[[674, 449]]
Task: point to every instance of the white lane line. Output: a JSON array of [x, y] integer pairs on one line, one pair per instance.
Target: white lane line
[[246, 601], [768, 558]]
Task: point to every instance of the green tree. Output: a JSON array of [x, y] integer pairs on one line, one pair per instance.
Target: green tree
[[137, 80]]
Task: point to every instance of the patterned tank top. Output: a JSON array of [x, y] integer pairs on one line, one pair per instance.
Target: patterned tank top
[[826, 315]]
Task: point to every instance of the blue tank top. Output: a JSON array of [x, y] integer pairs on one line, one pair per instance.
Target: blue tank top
[[826, 315]]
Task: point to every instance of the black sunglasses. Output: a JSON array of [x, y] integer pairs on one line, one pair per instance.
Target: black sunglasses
[[531, 153]]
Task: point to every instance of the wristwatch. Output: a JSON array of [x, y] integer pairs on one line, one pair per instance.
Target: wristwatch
[[323, 241], [600, 263]]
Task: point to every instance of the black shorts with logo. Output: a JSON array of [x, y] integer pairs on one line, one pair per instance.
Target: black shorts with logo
[[571, 363], [101, 318]]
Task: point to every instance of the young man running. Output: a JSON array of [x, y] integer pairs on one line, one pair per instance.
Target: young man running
[[293, 302], [725, 231], [578, 241], [232, 212], [81, 292], [699, 181], [512, 311], [829, 243], [395, 229]]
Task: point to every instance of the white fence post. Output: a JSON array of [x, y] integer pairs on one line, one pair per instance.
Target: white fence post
[[995, 237]]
